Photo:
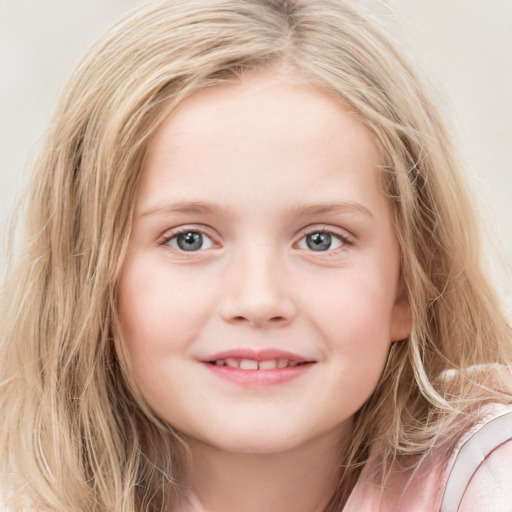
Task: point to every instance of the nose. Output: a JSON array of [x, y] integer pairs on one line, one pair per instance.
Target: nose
[[258, 293]]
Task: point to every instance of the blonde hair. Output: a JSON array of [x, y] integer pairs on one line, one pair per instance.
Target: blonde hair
[[74, 428]]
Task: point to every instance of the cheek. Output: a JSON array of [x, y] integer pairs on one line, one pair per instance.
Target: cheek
[[354, 311], [159, 321], [158, 311], [354, 316]]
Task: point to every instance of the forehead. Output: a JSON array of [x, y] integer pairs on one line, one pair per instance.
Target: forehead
[[259, 105], [257, 132]]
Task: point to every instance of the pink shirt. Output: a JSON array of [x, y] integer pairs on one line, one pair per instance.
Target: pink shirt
[[475, 477]]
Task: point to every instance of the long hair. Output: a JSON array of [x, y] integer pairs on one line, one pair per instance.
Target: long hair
[[75, 431]]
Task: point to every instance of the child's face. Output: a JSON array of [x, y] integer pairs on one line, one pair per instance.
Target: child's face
[[261, 225]]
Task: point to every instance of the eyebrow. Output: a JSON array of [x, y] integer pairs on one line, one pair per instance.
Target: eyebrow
[[206, 208], [185, 207], [332, 208]]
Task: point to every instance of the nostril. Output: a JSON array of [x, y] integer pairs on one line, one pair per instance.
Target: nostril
[[250, 310], [275, 320], [258, 321]]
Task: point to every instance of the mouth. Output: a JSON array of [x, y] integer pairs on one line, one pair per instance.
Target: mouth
[[253, 364], [258, 367]]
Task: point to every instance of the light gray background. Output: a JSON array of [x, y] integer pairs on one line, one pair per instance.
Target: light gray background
[[465, 44]]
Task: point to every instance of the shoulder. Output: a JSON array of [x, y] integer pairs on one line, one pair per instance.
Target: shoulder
[[490, 487], [480, 470], [475, 476]]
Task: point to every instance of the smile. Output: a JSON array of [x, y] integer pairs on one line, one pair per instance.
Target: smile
[[257, 368], [252, 364]]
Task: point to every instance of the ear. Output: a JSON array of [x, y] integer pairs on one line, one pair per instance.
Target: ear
[[401, 318]]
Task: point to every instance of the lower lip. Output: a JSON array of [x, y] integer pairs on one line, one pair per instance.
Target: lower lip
[[259, 377]]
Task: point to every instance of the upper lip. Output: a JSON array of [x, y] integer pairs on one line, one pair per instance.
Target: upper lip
[[266, 354]]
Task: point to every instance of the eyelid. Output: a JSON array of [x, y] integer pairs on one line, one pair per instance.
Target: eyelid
[[346, 238], [180, 230]]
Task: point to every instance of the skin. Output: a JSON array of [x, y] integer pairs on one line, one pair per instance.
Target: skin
[[247, 157]]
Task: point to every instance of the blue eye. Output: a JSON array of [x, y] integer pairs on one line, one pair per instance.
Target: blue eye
[[321, 241], [190, 241]]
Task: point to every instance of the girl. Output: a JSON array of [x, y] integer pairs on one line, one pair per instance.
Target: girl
[[251, 280]]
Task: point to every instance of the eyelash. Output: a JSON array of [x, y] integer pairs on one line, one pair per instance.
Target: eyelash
[[174, 233], [346, 241]]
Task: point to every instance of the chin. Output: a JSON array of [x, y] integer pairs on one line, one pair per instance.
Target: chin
[[261, 442]]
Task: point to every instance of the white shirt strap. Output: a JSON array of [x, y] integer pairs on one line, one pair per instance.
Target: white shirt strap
[[473, 452]]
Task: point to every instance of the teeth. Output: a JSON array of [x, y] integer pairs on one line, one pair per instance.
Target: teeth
[[248, 364], [251, 364], [230, 361]]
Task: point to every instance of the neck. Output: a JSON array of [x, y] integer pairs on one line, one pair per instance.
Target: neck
[[302, 479]]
